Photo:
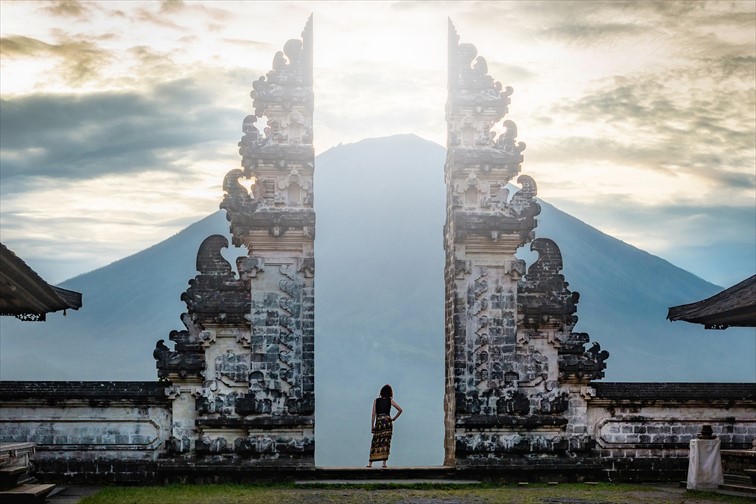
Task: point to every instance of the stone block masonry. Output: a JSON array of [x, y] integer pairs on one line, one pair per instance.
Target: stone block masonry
[[88, 431], [643, 430]]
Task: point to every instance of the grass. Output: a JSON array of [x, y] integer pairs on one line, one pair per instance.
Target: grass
[[407, 494]]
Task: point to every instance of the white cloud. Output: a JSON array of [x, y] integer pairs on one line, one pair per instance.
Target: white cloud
[[650, 103]]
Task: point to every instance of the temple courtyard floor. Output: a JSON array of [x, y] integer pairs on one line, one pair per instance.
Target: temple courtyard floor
[[388, 493]]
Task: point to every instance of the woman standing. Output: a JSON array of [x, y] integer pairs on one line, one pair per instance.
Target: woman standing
[[382, 425]]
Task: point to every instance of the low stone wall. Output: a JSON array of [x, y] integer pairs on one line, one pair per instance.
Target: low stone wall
[[119, 432], [643, 430], [88, 431]]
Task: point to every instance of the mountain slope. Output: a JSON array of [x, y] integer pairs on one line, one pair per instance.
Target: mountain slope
[[380, 207], [127, 306]]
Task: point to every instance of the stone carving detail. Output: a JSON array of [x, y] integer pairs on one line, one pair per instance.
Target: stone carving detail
[[221, 404], [280, 159], [523, 203], [290, 79], [506, 141], [545, 302], [516, 368], [248, 347], [543, 298], [187, 359], [578, 364], [177, 446], [233, 369], [216, 294], [236, 195], [207, 445], [469, 82], [496, 216], [284, 96], [280, 319]]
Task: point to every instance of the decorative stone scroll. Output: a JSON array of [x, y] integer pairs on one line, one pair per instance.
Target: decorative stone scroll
[[216, 294]]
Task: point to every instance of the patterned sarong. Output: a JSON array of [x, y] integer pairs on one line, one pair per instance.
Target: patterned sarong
[[381, 445]]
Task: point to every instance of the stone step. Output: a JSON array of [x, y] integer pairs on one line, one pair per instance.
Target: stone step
[[737, 479], [57, 490], [29, 493], [170, 471], [13, 471], [376, 473], [387, 482], [732, 487], [13, 476], [751, 474]]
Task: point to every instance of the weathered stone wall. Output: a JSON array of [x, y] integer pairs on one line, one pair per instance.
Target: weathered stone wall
[[643, 430], [88, 431]]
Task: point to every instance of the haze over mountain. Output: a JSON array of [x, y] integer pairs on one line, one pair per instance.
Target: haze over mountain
[[380, 206]]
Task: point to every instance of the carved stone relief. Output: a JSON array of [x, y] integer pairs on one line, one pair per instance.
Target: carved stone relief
[[510, 346]]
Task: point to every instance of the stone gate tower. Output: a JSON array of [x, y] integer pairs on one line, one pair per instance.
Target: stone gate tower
[[517, 377], [242, 373]]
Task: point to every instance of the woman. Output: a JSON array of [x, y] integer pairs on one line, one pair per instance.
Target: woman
[[382, 425]]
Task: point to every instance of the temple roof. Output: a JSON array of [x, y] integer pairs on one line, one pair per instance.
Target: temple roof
[[25, 295], [735, 307]]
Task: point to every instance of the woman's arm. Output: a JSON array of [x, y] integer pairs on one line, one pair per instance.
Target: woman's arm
[[372, 418], [398, 410]]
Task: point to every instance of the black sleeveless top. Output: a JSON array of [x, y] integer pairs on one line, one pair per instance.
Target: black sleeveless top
[[382, 406]]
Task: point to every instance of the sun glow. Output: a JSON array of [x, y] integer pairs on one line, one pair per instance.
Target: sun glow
[[641, 106]]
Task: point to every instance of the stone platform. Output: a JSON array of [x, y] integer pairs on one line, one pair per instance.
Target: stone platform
[[192, 472], [177, 471]]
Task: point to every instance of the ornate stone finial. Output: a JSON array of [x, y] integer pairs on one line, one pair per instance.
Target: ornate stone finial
[[289, 82], [469, 81], [476, 103], [278, 154]]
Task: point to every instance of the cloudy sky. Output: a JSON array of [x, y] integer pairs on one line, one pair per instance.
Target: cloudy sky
[[119, 119]]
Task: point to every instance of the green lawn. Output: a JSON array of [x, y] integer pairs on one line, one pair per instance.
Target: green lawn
[[483, 494]]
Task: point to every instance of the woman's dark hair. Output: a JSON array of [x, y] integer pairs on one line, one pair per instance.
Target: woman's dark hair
[[387, 392]]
